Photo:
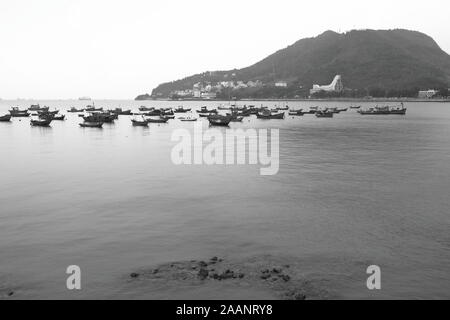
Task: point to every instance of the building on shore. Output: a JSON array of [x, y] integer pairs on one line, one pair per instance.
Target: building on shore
[[281, 84], [427, 94], [335, 86]]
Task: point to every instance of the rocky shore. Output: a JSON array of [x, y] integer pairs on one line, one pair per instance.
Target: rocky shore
[[266, 274]]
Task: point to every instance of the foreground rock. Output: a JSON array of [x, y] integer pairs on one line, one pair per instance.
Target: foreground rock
[[266, 273]]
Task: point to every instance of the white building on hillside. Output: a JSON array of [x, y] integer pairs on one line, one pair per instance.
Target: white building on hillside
[[427, 94], [335, 86]]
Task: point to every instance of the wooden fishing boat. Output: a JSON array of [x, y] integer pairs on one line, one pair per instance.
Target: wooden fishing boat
[[48, 113], [204, 110], [158, 120], [16, 112], [297, 113], [37, 107], [91, 125], [75, 110], [120, 112], [386, 110], [41, 122], [104, 117], [138, 123], [267, 114], [144, 108], [188, 119], [324, 114], [181, 110], [92, 109], [5, 118], [219, 120], [59, 118]]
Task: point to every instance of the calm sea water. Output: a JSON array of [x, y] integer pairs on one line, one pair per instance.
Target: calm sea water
[[351, 191]]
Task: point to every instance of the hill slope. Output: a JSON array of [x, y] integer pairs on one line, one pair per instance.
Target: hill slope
[[388, 59]]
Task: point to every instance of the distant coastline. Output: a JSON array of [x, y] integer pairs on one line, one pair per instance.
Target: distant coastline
[[398, 100]]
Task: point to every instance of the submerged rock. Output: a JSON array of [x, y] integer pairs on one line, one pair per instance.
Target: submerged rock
[[203, 274], [134, 275]]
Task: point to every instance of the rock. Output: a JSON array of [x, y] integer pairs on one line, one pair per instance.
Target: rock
[[285, 277], [214, 259], [265, 271], [276, 270], [286, 266], [299, 296], [265, 276], [228, 274], [10, 294], [155, 271], [240, 275], [134, 275], [203, 274], [202, 264]]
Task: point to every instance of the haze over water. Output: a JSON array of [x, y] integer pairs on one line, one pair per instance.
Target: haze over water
[[351, 191]]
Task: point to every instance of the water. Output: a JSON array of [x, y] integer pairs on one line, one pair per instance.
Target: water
[[351, 191]]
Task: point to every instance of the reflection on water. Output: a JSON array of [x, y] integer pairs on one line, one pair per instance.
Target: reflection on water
[[351, 191]]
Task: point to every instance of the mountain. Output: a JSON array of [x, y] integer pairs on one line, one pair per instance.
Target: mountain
[[383, 59]]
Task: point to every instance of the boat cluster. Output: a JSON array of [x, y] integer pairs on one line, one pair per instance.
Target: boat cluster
[[222, 116]]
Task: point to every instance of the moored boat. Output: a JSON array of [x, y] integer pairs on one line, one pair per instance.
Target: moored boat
[[385, 110], [180, 109], [324, 114], [5, 118], [16, 112], [267, 114], [91, 125], [204, 110], [298, 112], [157, 120], [144, 108], [219, 120], [41, 122], [75, 110], [138, 123], [37, 107]]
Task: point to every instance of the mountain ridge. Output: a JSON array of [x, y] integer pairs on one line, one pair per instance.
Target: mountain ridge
[[386, 59]]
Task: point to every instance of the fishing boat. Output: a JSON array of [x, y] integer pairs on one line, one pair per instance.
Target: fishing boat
[[92, 109], [298, 112], [153, 113], [91, 125], [324, 114], [167, 112], [181, 110], [59, 118], [342, 109], [267, 114], [16, 112], [157, 120], [144, 108], [75, 110], [355, 107], [121, 112], [5, 118], [385, 110], [37, 107], [219, 120], [104, 117], [204, 110], [41, 122], [188, 119], [313, 110], [48, 113], [138, 123]]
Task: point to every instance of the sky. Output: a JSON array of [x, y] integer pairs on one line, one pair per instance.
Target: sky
[[117, 49]]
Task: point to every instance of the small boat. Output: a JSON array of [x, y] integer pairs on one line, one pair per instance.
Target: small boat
[[16, 112], [298, 112], [355, 107], [267, 114], [224, 108], [219, 120], [188, 119], [5, 118], [91, 124], [138, 123], [75, 110], [313, 110], [324, 114], [47, 112], [144, 108], [204, 110], [92, 109], [104, 117], [158, 120], [153, 113], [342, 109], [41, 122], [59, 118], [181, 110], [237, 119], [121, 112], [384, 110], [37, 107]]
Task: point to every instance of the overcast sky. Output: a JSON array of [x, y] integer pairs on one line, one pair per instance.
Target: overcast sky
[[121, 48]]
